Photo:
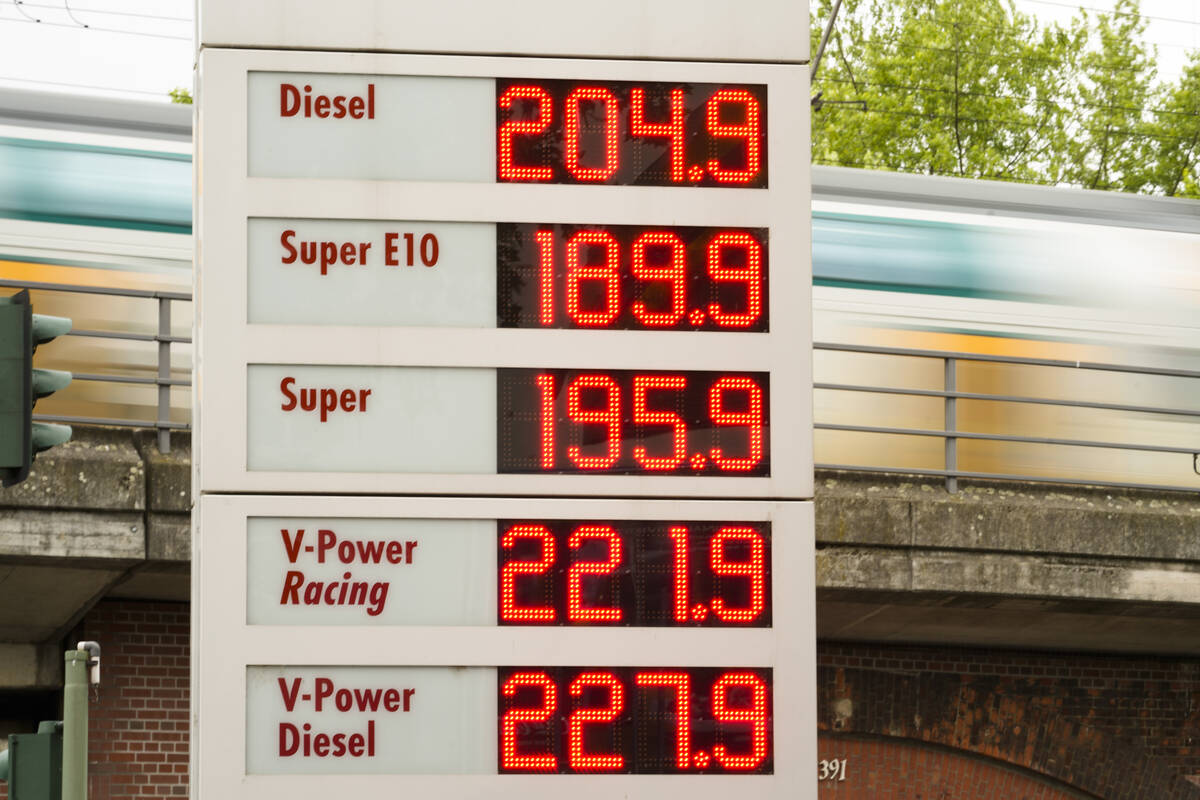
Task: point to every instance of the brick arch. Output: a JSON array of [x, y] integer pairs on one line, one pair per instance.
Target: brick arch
[[1013, 721], [900, 769]]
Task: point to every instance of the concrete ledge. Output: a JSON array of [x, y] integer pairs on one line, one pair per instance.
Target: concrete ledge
[[30, 666], [901, 560], [72, 534], [903, 511], [93, 513], [1009, 575]]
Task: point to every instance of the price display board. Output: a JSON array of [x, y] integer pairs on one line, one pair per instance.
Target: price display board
[[460, 641], [470, 275], [480, 337]]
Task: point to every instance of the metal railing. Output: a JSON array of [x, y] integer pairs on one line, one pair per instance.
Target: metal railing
[[163, 339], [951, 396], [952, 434]]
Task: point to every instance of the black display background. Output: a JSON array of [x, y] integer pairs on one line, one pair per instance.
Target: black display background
[[642, 161], [642, 586], [645, 734], [518, 283], [519, 429]]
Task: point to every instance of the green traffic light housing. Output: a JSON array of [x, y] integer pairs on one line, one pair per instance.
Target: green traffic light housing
[[32, 764], [21, 386]]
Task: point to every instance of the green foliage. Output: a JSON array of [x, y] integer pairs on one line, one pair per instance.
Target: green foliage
[[974, 88], [1117, 72], [181, 95], [1172, 152]]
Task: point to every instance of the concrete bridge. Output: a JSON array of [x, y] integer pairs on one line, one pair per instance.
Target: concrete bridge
[[1007, 635]]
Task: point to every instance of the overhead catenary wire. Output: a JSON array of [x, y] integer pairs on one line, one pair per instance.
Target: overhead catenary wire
[[67, 84], [36, 21], [857, 83], [1077, 6], [106, 12]]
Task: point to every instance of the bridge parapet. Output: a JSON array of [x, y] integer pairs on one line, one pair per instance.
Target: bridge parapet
[[1024, 565]]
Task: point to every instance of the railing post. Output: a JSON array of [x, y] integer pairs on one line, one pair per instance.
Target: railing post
[[951, 385], [164, 373]]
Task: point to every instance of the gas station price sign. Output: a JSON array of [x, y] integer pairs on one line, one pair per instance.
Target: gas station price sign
[[450, 639], [639, 573], [541, 276], [631, 277], [631, 134], [635, 720], [627, 422], [479, 336]]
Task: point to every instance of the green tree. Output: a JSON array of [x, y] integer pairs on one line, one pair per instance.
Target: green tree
[[976, 89], [952, 87], [1107, 135], [181, 95], [1172, 149]]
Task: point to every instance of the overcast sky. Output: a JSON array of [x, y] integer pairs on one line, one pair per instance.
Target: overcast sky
[[143, 48]]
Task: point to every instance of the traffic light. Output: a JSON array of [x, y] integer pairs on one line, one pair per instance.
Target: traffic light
[[21, 331], [32, 764]]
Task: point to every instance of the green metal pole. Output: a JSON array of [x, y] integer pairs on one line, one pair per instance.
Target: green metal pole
[[75, 726]]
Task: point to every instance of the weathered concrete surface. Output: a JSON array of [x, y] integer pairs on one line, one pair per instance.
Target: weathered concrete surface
[[899, 559], [29, 666], [103, 515]]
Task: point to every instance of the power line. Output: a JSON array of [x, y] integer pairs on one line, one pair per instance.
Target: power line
[[33, 21], [77, 9], [989, 55], [160, 95], [1014, 123], [1114, 12], [985, 96]]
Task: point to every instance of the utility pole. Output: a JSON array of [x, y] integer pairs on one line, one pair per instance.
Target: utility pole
[[82, 671]]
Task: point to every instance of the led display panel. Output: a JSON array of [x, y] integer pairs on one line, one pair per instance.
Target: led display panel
[[628, 572], [651, 720], [631, 277], [631, 134], [627, 422]]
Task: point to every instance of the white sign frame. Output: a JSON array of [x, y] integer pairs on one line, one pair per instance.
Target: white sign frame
[[226, 343], [715, 30], [224, 644]]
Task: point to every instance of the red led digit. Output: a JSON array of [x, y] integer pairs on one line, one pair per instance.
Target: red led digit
[[756, 716], [576, 757], [754, 570], [679, 571], [674, 272], [749, 131], [608, 416], [751, 419], [750, 274], [509, 171], [608, 273], [509, 757], [681, 682], [576, 611], [509, 610], [545, 385], [572, 124], [673, 130], [642, 386], [545, 246]]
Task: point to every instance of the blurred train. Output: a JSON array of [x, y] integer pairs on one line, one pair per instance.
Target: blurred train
[[98, 193]]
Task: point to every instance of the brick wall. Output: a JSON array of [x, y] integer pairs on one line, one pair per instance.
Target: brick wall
[[877, 769], [911, 721], [139, 727], [1115, 727]]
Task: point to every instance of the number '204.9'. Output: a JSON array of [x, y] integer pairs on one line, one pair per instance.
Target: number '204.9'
[[625, 134]]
